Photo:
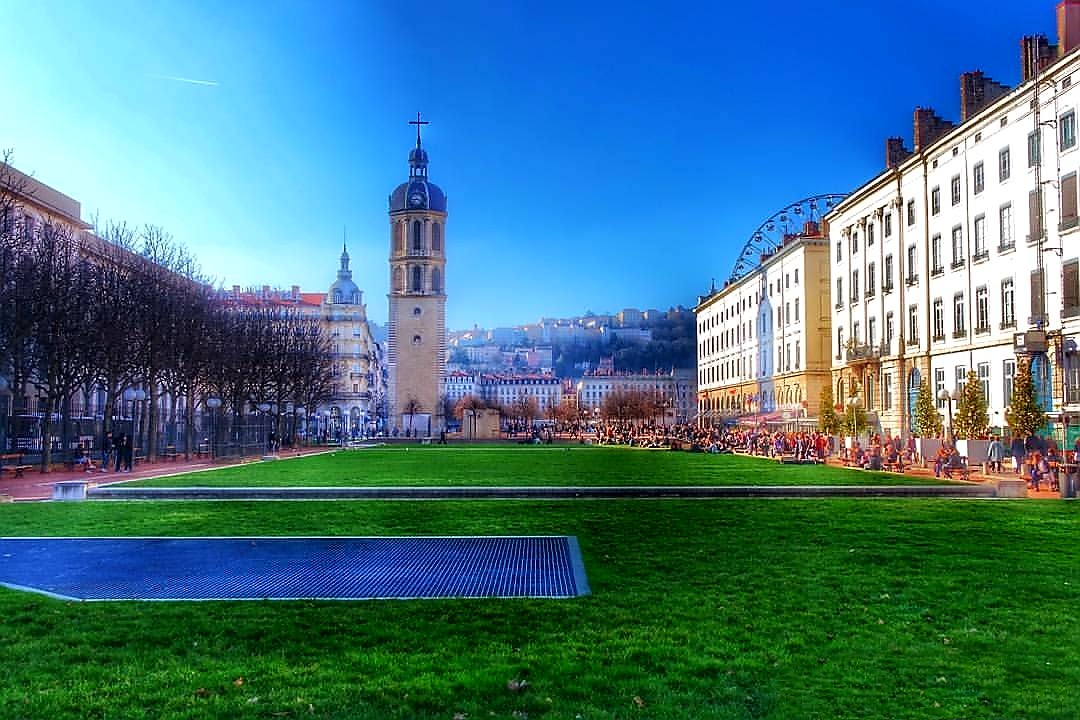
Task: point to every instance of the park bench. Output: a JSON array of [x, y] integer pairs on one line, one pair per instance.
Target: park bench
[[957, 470], [170, 453], [13, 462]]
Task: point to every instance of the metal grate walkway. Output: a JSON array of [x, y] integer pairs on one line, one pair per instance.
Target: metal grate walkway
[[327, 568]]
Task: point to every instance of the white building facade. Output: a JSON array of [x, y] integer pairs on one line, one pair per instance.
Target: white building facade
[[964, 255]]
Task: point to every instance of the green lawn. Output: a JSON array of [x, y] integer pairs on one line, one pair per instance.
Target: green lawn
[[527, 465], [717, 609]]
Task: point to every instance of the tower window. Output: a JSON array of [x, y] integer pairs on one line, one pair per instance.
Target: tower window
[[436, 281], [416, 311], [399, 280], [417, 284], [417, 238], [436, 237], [416, 340]]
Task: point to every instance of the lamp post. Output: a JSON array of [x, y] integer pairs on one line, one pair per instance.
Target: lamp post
[[947, 397], [263, 407], [213, 403], [853, 403]]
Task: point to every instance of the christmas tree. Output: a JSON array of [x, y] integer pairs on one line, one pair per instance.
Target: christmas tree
[[827, 420], [1024, 415], [971, 419], [927, 419]]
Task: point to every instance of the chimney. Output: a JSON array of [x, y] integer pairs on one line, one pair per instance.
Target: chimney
[[1036, 53], [929, 127], [977, 91], [895, 152], [811, 229], [1068, 26]]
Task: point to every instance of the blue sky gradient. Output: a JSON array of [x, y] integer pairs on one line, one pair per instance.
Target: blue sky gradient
[[595, 155]]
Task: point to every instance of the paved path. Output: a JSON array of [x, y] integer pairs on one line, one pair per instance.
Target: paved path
[[34, 485]]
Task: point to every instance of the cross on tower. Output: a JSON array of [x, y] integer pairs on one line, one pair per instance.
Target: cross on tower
[[418, 122]]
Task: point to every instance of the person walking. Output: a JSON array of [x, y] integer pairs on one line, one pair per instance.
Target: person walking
[[996, 454], [107, 449], [124, 453], [118, 451], [1016, 449]]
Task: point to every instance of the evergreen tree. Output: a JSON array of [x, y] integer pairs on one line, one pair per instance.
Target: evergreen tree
[[927, 418], [827, 420], [1024, 414], [971, 419]]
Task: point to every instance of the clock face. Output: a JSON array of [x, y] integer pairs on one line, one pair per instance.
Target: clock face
[[416, 200]]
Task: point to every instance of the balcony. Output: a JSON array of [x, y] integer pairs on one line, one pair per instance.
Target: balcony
[[957, 264], [913, 342], [1070, 312], [980, 255], [958, 334], [911, 280], [1006, 247], [838, 306], [853, 299], [863, 353], [869, 294], [887, 288], [1067, 223], [937, 337], [1008, 325], [936, 271], [982, 329]]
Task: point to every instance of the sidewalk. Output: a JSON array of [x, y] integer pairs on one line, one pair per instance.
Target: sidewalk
[[34, 485], [977, 476]]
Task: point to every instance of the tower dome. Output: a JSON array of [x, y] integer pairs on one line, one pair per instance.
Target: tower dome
[[344, 290], [418, 193]]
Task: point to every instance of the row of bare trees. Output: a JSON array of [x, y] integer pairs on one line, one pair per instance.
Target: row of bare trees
[[129, 308]]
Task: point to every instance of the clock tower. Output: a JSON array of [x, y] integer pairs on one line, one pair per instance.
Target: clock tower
[[416, 342]]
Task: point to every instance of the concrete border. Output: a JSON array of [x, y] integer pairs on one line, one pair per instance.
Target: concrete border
[[543, 492]]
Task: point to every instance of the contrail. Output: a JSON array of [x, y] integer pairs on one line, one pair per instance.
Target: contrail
[[211, 83]]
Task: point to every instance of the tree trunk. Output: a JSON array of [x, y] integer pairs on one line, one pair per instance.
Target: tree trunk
[[152, 395], [46, 435], [189, 422]]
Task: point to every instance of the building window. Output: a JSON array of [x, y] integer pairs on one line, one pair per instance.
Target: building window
[[871, 279], [796, 276], [871, 331], [1004, 165], [939, 385], [982, 309], [960, 375], [983, 371], [1008, 303], [936, 266], [855, 332], [839, 258], [935, 201], [912, 275], [787, 313], [887, 280], [890, 329], [978, 178], [854, 241], [939, 320], [854, 285], [887, 230], [869, 233], [839, 342], [955, 185], [1035, 216], [436, 237], [1034, 149], [957, 247], [1068, 217], [436, 281], [958, 315], [911, 212], [1005, 237], [1067, 125], [1070, 286], [796, 309], [886, 391], [1008, 374], [981, 252], [913, 325], [798, 354], [839, 292]]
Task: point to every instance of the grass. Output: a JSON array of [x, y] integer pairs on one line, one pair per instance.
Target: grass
[[527, 465], [717, 609]]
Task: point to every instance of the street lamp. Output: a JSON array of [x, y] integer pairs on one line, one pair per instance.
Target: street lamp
[[213, 403], [853, 403], [947, 397]]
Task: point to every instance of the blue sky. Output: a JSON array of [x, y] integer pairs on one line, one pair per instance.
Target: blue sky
[[595, 155]]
